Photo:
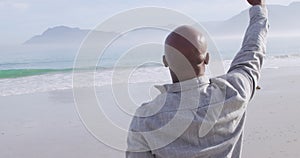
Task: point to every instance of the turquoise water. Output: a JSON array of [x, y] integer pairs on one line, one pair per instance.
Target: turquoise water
[[15, 73], [22, 61], [28, 69], [26, 72]]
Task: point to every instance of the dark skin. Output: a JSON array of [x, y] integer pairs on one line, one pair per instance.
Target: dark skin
[[256, 2], [192, 46]]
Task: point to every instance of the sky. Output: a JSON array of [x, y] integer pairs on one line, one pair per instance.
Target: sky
[[22, 19]]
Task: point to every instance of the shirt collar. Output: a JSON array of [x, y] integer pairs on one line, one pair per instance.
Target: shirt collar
[[184, 85]]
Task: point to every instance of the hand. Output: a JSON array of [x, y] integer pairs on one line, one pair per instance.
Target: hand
[[256, 2]]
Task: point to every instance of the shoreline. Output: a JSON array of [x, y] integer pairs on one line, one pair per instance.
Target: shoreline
[[63, 81]]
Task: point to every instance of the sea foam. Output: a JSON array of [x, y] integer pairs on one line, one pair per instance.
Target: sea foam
[[62, 80]]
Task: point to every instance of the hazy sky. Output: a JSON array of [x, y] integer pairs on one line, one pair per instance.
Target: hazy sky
[[22, 19]]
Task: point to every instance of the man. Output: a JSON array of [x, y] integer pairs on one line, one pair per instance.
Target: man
[[209, 114]]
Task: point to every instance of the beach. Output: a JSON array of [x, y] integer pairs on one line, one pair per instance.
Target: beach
[[72, 78], [272, 125], [46, 124]]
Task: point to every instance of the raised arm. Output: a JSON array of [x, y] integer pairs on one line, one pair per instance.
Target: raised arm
[[249, 59]]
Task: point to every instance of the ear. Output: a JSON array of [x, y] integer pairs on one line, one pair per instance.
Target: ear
[[165, 61], [206, 61]]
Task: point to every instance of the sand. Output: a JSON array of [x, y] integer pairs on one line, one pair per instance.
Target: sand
[[273, 127], [47, 125]]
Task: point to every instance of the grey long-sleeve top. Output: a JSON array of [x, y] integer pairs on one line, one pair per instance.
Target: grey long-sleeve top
[[203, 117]]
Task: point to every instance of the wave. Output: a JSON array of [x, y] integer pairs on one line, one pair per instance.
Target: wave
[[27, 81], [284, 56], [25, 72], [16, 73]]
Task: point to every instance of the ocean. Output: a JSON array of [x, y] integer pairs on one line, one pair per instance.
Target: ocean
[[33, 69]]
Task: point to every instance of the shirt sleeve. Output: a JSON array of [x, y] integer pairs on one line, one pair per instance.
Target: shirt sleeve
[[247, 64]]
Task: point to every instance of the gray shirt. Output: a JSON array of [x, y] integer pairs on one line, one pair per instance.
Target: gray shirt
[[204, 117]]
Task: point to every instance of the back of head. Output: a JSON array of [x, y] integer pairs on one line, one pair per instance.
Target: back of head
[[186, 53]]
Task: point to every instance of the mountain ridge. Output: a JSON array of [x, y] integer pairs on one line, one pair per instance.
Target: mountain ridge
[[279, 18]]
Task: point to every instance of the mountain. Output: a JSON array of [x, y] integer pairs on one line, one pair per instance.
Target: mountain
[[59, 34], [63, 35], [283, 20]]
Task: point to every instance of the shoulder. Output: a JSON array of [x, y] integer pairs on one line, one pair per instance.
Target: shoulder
[[235, 84]]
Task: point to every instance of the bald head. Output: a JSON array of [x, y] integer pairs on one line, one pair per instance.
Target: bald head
[[186, 53]]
